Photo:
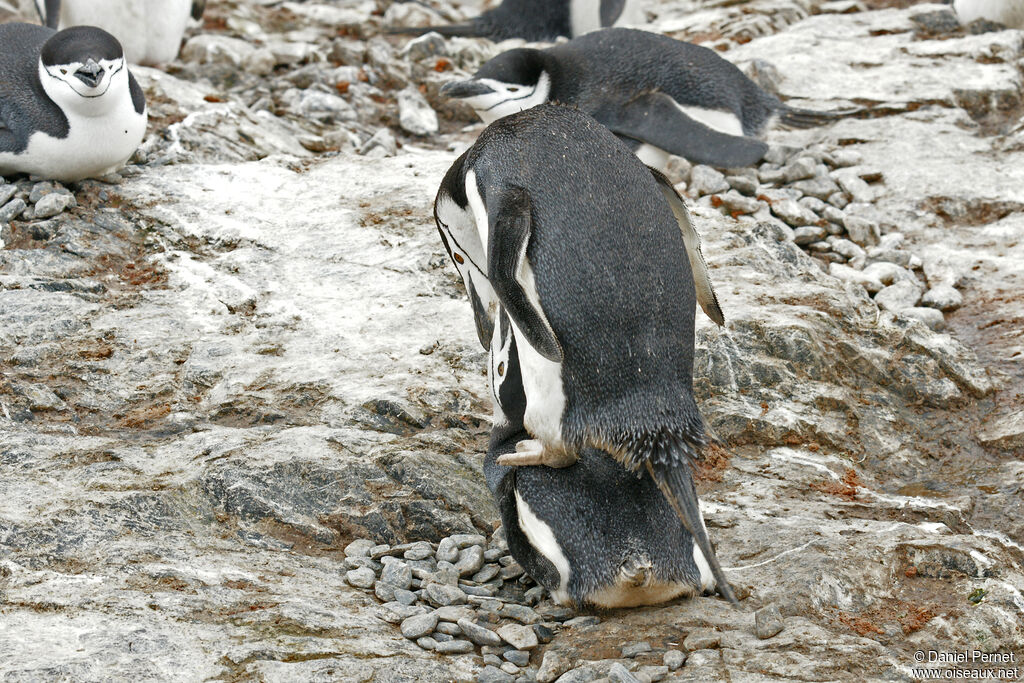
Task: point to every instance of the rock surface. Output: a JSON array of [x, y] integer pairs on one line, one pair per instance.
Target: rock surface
[[239, 382]]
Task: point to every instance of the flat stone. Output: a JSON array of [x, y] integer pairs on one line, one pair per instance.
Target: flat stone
[[932, 317], [790, 211], [12, 209], [768, 622], [861, 230], [943, 297], [443, 595], [888, 272], [396, 612], [396, 575], [848, 274], [674, 659], [1005, 432], [465, 540], [742, 184], [898, 296], [517, 657], [454, 647], [449, 628], [554, 664], [447, 550], [705, 180], [488, 572], [453, 613], [735, 203], [415, 114], [419, 551], [581, 674], [518, 636], [405, 597], [427, 643], [818, 187], [702, 639], [418, 626], [620, 674], [513, 571], [799, 169], [807, 234], [652, 673], [470, 560], [478, 634], [510, 668], [361, 578], [492, 674], [634, 649], [385, 592]]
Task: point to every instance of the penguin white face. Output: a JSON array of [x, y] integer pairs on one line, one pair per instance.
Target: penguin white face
[[79, 65], [508, 84]]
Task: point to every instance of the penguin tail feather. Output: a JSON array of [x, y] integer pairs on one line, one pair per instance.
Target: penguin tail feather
[[794, 117], [454, 30]]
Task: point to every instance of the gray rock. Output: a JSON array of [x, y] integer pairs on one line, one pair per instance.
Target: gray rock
[[850, 183], [771, 175], [705, 180], [518, 636], [931, 317], [12, 209], [899, 296], [861, 230], [359, 548], [486, 573], [652, 673], [634, 649], [620, 674], [454, 647], [841, 158], [768, 622], [517, 657], [813, 204], [385, 592], [807, 234], [742, 184], [674, 659], [554, 664], [512, 571], [943, 297], [820, 187], [419, 551], [447, 550], [702, 639], [419, 626], [492, 674], [415, 114], [1005, 432], [734, 202], [453, 613], [397, 575], [799, 169], [850, 250], [470, 560], [510, 668], [427, 643], [582, 674], [381, 144], [780, 154], [428, 45], [940, 270], [462, 541], [449, 628], [404, 597], [521, 613], [793, 214], [361, 578], [443, 595], [888, 273], [478, 634], [844, 272]]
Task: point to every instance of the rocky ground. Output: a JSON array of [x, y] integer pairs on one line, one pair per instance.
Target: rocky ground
[[242, 407]]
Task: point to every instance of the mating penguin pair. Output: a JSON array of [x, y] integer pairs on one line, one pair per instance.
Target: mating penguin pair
[[540, 20], [661, 96], [69, 106], [149, 30], [577, 253]]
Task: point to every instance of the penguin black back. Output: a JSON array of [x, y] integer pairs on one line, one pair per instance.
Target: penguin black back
[[531, 20], [24, 105]]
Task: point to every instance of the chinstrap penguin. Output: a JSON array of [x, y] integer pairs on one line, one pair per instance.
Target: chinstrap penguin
[[69, 106], [1009, 13], [540, 20], [592, 533], [594, 259], [660, 95], [150, 31]]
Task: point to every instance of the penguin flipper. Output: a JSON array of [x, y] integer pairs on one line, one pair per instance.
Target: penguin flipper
[[510, 275], [198, 7], [691, 238], [611, 10], [654, 118], [49, 12]]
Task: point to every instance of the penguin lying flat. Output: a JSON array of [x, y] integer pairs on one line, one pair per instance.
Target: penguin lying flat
[[584, 249], [660, 95], [1009, 13], [593, 533], [69, 106], [540, 20], [149, 30]]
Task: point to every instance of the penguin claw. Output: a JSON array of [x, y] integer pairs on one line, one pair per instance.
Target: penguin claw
[[532, 452]]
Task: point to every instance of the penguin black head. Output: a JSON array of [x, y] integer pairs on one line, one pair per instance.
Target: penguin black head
[[510, 83], [82, 62]]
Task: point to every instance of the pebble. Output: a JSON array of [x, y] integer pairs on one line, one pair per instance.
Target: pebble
[[702, 639], [396, 575], [768, 622], [427, 45], [553, 665], [361, 578], [488, 572], [518, 636], [807, 234], [544, 634], [887, 272], [582, 621], [634, 649], [492, 674], [395, 612], [932, 317], [652, 673], [820, 187], [453, 613], [743, 184], [617, 672], [415, 114], [780, 154], [844, 157], [447, 550], [470, 560], [861, 230], [405, 597], [510, 668], [379, 551], [735, 203], [854, 185], [938, 270], [454, 647], [513, 571], [444, 595], [674, 659], [793, 214], [465, 540], [800, 169], [517, 657], [520, 613], [427, 643], [478, 634], [419, 626], [385, 592], [706, 180], [493, 554], [899, 296], [860, 277], [943, 297], [419, 551], [12, 209], [381, 144], [491, 659], [449, 628]]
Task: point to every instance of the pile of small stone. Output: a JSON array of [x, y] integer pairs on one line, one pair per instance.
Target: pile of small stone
[[821, 200], [467, 595], [26, 201]]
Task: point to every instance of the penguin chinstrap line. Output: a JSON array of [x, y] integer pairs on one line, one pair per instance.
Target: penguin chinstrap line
[[150, 31], [540, 20], [69, 106], [595, 261], [592, 533], [660, 95]]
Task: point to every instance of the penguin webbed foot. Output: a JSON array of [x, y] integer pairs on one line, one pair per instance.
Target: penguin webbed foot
[[530, 452]]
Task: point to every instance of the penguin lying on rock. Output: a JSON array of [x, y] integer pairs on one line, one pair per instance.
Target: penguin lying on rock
[[659, 95], [594, 260], [69, 106], [592, 533], [540, 20], [150, 30]]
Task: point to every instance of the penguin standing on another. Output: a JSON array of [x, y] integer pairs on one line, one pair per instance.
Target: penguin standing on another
[[594, 259], [69, 106], [149, 30], [593, 533], [540, 20], [660, 95]]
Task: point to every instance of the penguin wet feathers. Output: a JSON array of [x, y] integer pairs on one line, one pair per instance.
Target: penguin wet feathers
[[69, 107], [661, 96], [588, 259]]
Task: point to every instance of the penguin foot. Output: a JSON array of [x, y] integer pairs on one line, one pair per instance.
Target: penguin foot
[[533, 452]]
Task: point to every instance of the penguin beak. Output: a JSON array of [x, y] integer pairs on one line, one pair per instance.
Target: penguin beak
[[463, 89], [90, 73]]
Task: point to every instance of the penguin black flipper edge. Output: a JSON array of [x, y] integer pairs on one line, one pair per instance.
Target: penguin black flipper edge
[[654, 118], [691, 238], [510, 275]]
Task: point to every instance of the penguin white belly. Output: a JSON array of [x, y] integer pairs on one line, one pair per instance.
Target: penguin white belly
[[655, 157], [93, 146], [1007, 12], [540, 536], [585, 16], [150, 31]]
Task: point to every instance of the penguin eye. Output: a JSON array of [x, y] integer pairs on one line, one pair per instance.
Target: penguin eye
[[64, 71], [513, 89], [501, 369], [458, 258]]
